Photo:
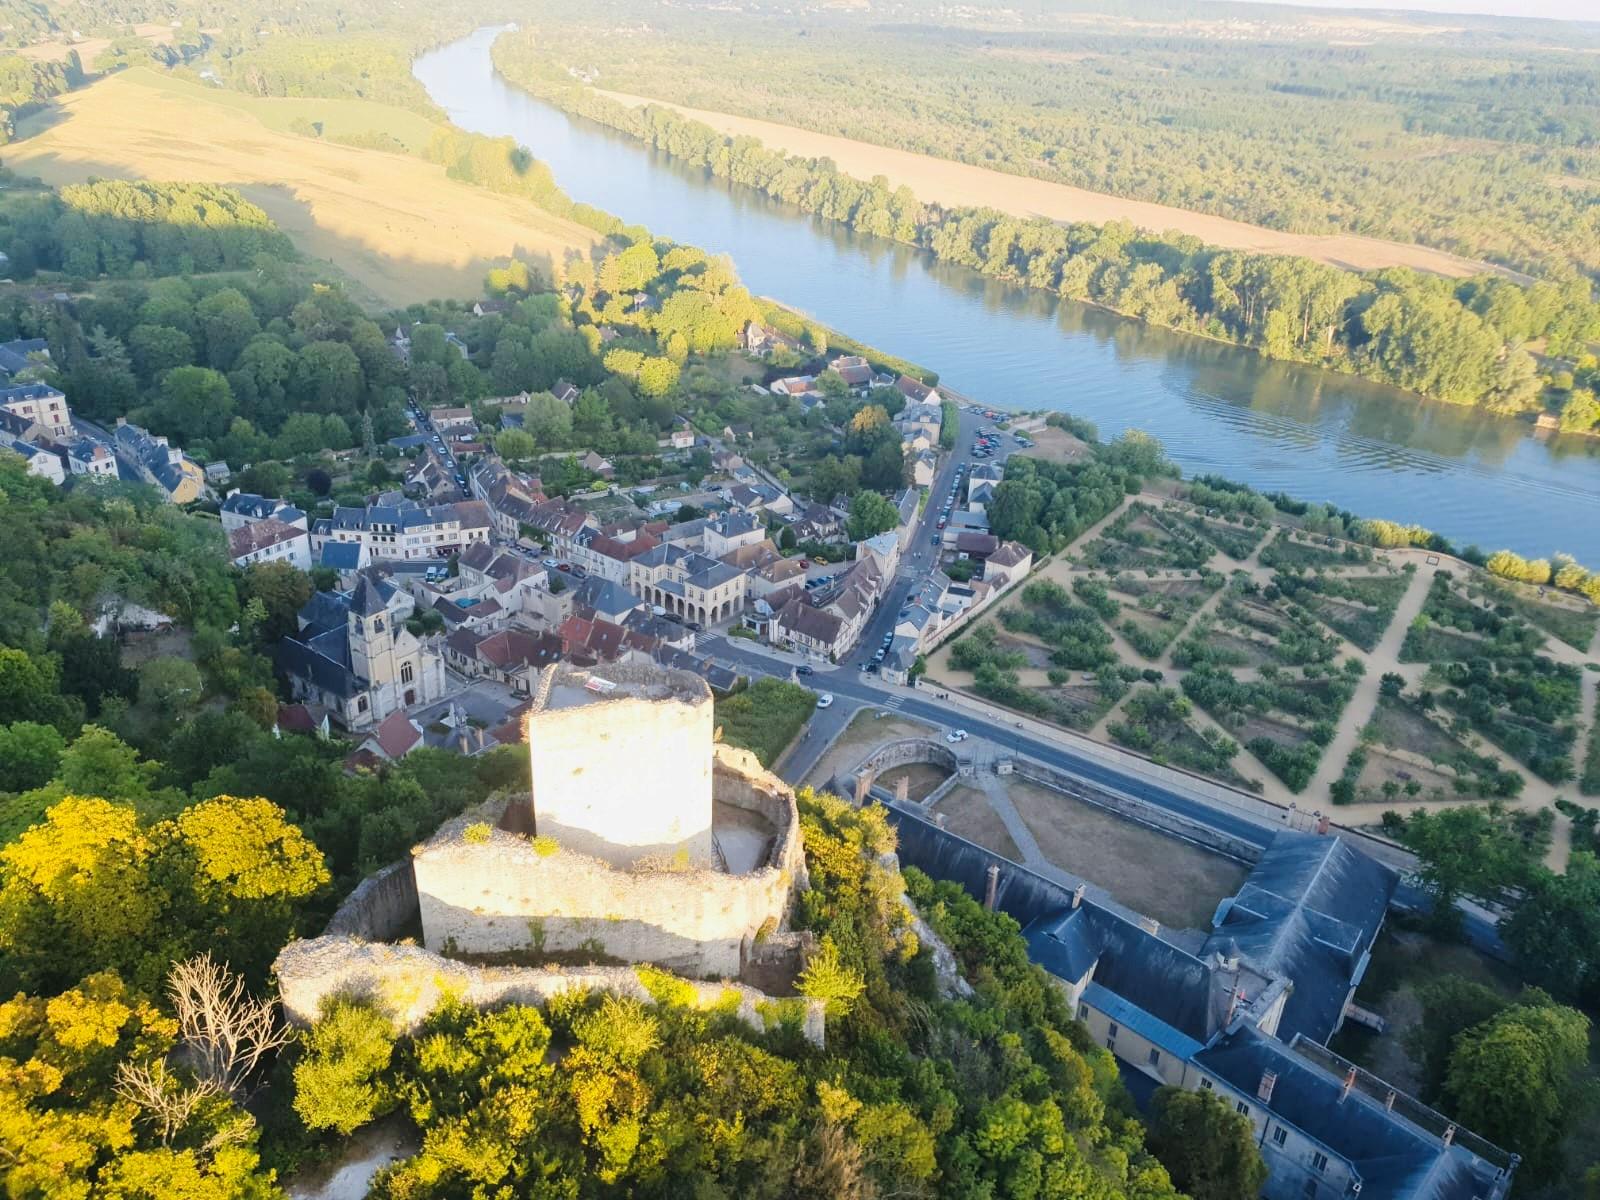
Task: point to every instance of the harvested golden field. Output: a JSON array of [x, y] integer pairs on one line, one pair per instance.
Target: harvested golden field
[[955, 184], [395, 226]]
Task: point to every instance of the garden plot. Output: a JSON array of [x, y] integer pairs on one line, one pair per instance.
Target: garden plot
[[981, 662], [1141, 539], [1568, 618], [1284, 721], [1292, 635], [1305, 551], [1405, 751], [1155, 722], [1235, 537], [1209, 644], [1149, 614], [1526, 706], [1359, 609], [1452, 628]]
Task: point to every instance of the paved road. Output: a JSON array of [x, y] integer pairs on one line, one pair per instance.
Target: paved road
[[853, 690]]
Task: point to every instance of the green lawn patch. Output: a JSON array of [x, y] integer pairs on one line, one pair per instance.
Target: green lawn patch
[[765, 717]]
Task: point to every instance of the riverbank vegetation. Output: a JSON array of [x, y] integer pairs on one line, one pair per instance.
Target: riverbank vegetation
[[1315, 123], [1462, 342]]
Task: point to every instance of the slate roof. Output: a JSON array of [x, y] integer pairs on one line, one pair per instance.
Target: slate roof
[[367, 600], [325, 610], [14, 354], [323, 659], [1393, 1157], [1309, 910], [248, 504], [605, 597]]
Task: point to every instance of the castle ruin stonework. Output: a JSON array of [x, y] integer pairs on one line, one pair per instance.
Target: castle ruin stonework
[[642, 841]]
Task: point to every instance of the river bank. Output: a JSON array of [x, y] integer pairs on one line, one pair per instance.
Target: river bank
[[1219, 409]]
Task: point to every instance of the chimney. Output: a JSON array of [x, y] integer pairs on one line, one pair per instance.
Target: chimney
[[1349, 1082], [1450, 1134], [1233, 1006], [1077, 894], [992, 888], [1269, 1080], [1388, 1101], [1322, 824], [863, 788], [1149, 924]]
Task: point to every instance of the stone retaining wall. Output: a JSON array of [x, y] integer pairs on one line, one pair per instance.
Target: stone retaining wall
[[1152, 815], [409, 982]]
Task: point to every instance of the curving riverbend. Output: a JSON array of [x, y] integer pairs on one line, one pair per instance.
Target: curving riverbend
[[1216, 408]]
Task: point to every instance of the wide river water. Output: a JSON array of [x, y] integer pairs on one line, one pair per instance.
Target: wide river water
[[1216, 408]]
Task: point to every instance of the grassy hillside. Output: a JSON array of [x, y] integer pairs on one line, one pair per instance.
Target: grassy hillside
[[396, 226]]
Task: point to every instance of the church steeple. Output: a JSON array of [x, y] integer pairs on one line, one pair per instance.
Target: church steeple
[[371, 638]]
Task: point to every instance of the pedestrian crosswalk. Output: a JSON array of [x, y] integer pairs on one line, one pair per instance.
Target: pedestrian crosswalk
[[894, 702]]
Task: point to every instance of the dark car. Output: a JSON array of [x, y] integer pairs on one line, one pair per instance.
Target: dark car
[[693, 626], [803, 669]]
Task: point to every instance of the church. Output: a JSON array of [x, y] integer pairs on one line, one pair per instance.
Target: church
[[355, 657]]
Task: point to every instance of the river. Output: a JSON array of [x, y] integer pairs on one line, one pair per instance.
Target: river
[[1216, 408]]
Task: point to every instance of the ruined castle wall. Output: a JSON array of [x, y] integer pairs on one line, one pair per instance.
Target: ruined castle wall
[[382, 906], [492, 892], [409, 982], [626, 777]]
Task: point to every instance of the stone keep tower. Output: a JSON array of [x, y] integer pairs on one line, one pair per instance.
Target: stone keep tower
[[622, 765]]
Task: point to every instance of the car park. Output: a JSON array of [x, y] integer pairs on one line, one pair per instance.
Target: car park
[[825, 700]]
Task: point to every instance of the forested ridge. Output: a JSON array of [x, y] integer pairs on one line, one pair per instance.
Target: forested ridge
[[1458, 341], [1474, 135]]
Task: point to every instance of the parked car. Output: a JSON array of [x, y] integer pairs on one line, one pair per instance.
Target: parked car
[[956, 735], [551, 564], [693, 626], [825, 700]]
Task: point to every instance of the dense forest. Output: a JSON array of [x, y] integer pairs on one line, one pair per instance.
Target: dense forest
[[1461, 342], [106, 228], [1474, 135]]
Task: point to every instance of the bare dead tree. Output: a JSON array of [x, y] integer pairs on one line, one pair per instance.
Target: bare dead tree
[[226, 1032], [166, 1099]]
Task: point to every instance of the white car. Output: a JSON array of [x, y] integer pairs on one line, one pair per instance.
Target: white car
[[956, 735], [824, 700]]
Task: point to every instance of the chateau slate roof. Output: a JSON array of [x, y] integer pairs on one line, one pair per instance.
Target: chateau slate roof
[[323, 659], [1309, 910], [1393, 1157]]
